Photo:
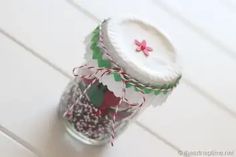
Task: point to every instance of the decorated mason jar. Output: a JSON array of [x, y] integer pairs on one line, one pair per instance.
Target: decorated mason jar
[[130, 64]]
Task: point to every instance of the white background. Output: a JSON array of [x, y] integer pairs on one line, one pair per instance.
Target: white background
[[41, 41]]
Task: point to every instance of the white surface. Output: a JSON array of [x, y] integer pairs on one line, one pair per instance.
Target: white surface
[[192, 123], [212, 19], [192, 119], [57, 33], [10, 148]]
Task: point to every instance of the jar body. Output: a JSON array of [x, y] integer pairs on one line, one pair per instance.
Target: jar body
[[96, 115], [104, 97]]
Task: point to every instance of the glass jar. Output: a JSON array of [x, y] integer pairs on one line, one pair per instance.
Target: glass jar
[[90, 118], [102, 99]]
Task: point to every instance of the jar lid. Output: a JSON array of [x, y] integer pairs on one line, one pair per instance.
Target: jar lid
[[142, 50]]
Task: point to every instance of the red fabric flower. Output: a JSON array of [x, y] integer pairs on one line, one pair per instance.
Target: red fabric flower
[[142, 46]]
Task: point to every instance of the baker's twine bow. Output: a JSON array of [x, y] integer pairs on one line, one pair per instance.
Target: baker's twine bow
[[107, 71]]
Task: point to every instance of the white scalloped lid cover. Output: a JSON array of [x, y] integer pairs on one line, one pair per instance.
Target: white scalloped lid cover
[[160, 66]]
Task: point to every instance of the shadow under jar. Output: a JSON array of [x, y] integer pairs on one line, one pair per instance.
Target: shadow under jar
[[130, 64]]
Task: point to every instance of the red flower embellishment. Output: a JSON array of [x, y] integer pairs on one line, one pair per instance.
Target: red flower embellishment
[[142, 46]]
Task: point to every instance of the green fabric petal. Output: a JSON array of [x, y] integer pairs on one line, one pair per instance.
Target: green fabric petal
[[157, 92], [95, 37], [103, 63], [117, 76], [147, 91], [93, 45], [128, 85], [96, 31], [97, 54]]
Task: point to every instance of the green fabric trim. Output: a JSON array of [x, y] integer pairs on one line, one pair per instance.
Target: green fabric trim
[[128, 85], [97, 53], [157, 92], [147, 91]]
